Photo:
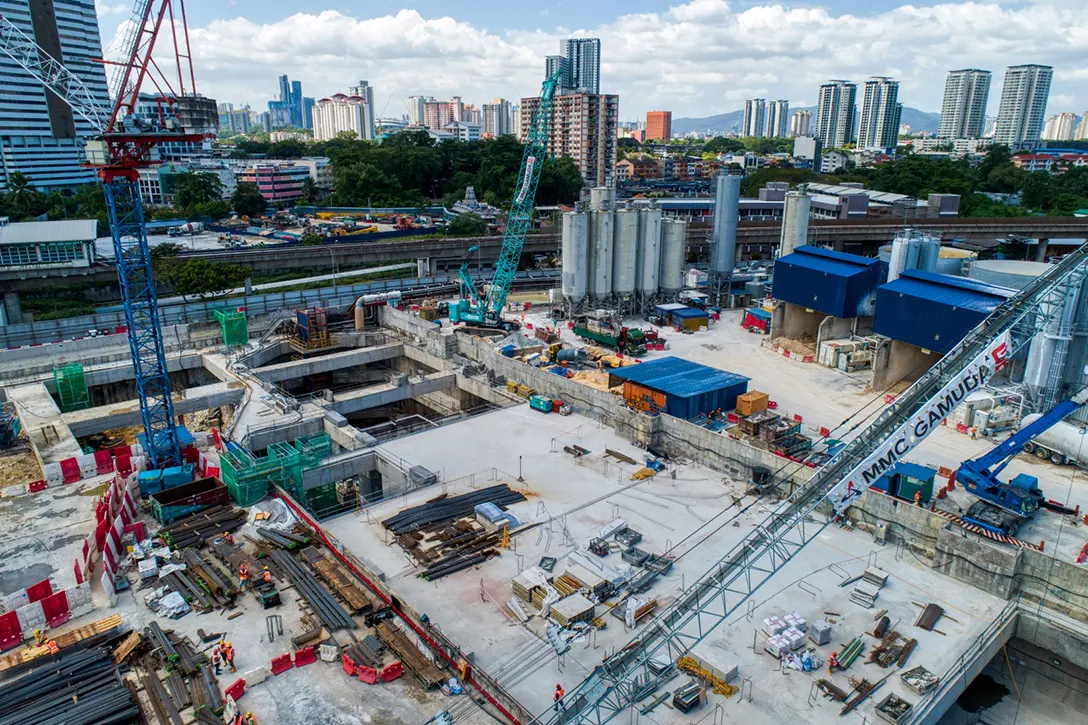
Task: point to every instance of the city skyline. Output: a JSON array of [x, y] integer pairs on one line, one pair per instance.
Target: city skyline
[[318, 48]]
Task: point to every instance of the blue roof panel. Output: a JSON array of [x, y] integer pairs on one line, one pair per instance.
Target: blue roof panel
[[677, 376], [834, 283]]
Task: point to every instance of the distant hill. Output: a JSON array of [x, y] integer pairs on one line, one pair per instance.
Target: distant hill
[[731, 122]]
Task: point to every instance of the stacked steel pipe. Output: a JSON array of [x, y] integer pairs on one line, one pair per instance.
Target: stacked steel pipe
[[323, 604], [193, 530], [450, 508]]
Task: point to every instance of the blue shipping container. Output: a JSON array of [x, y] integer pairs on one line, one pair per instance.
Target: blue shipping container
[[934, 311], [834, 283]]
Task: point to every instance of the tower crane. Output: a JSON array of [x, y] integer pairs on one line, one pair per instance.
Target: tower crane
[[482, 309], [123, 143]]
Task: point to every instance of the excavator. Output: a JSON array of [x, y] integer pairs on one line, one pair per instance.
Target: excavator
[[485, 310], [1003, 506]]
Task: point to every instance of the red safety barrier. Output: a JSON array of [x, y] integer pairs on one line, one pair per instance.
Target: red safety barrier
[[79, 572], [236, 689], [348, 664], [212, 472], [119, 451], [103, 460], [69, 468], [218, 439], [1080, 557], [124, 464], [281, 664], [824, 432], [11, 634], [961, 428], [39, 591], [392, 671], [732, 417], [305, 656], [191, 455], [797, 418], [772, 404], [369, 675], [86, 550], [139, 529], [100, 535], [56, 609], [35, 486]]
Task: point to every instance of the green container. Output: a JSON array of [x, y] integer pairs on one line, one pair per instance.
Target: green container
[[71, 385], [913, 479], [235, 326], [541, 403]]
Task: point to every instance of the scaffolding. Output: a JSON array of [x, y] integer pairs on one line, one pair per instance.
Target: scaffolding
[[312, 329], [71, 385], [249, 478], [235, 326]]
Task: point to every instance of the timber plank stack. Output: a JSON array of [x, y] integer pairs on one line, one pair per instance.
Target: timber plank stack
[[416, 662], [340, 579]]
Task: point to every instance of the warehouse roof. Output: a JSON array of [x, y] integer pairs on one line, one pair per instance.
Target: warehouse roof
[[689, 312], [830, 261], [69, 230], [971, 294], [677, 376]]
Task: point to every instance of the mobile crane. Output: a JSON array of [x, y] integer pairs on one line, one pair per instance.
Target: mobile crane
[[482, 310], [1003, 506], [125, 136]]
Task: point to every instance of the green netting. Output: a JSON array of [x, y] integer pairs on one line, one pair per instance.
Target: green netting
[[290, 467], [71, 385], [314, 449], [247, 477], [235, 326]]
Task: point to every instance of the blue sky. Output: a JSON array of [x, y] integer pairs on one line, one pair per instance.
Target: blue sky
[[694, 57]]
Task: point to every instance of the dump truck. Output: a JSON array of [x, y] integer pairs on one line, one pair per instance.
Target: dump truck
[[628, 340]]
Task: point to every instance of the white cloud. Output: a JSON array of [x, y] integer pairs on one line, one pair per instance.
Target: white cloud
[[103, 8], [697, 58]]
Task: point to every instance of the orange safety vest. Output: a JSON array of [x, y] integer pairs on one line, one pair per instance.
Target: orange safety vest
[[229, 654], [267, 576], [243, 572], [559, 694]]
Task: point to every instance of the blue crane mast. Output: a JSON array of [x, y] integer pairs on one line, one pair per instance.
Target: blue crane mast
[[474, 307], [122, 145]]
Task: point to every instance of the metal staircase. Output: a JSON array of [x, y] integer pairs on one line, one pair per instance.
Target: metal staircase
[[624, 678]]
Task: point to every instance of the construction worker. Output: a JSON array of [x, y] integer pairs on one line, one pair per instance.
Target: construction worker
[[558, 697], [918, 499], [267, 575], [40, 638], [974, 432], [228, 537], [243, 574], [832, 662], [229, 655], [217, 660], [250, 719]]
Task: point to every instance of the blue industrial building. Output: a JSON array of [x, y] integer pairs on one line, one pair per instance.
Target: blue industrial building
[[834, 283], [679, 387], [934, 311]]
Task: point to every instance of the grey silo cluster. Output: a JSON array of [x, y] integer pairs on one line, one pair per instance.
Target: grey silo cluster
[[723, 251], [913, 249], [623, 258]]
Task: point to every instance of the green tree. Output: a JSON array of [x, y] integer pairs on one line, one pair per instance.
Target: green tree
[[195, 189], [204, 278], [347, 135], [165, 263], [560, 182], [21, 193], [310, 239], [723, 145], [287, 149], [1037, 190], [247, 199], [309, 190], [466, 225]]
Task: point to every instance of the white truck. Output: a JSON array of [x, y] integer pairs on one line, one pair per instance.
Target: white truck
[[188, 228], [1063, 443]]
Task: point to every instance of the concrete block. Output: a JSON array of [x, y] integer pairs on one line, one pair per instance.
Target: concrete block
[[255, 676]]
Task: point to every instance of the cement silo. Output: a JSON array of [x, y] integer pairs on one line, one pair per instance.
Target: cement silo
[[625, 253], [726, 213], [950, 260], [649, 252], [601, 198], [575, 256], [674, 241], [794, 222], [600, 254]]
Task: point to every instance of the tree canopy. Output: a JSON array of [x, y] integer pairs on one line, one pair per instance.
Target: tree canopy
[[247, 199]]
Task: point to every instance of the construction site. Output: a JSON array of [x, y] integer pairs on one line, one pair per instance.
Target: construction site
[[825, 488]]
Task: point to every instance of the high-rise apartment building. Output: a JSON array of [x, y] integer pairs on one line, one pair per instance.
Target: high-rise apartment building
[[778, 113], [436, 114], [835, 113], [497, 118], [343, 113], [1082, 128], [1060, 127], [755, 117], [583, 64], [801, 123], [296, 104], [556, 64], [963, 111], [232, 120], [659, 125], [40, 135], [415, 109], [584, 129], [308, 112], [1023, 105], [365, 91], [880, 114]]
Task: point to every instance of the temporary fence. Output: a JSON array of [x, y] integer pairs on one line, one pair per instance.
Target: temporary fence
[[112, 319], [71, 385], [41, 606]]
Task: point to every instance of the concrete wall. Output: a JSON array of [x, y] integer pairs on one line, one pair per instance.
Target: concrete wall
[[894, 361], [328, 363], [793, 321], [833, 328], [917, 526]]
